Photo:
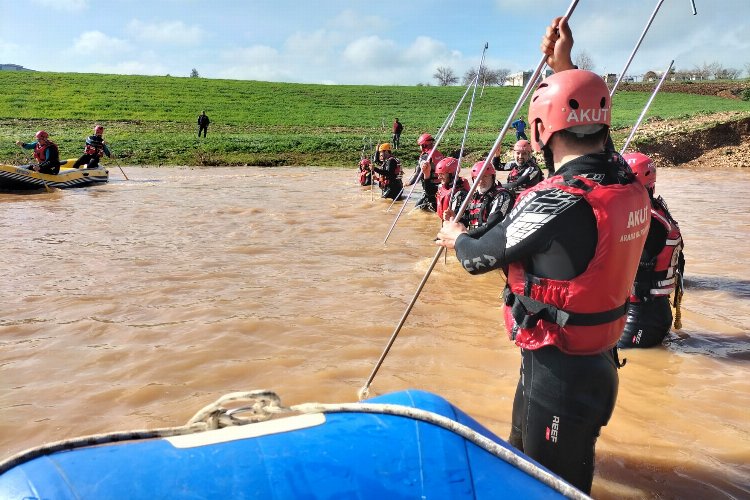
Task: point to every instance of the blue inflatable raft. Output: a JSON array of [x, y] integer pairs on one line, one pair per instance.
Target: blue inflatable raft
[[409, 444]]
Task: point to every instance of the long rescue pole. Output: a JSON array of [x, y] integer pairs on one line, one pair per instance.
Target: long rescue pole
[[441, 133], [468, 118], [645, 109], [638, 44], [365, 389], [635, 49]]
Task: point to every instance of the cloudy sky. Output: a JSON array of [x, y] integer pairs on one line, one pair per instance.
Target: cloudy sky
[[380, 42]]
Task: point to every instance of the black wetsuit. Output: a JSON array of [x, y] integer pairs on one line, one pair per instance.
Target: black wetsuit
[[527, 175], [649, 317], [392, 185], [94, 149], [555, 235]]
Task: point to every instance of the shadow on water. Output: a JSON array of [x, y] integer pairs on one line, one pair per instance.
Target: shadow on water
[[735, 347], [737, 287], [629, 477]]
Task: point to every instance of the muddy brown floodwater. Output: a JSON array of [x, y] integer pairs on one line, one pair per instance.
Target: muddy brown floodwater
[[134, 304]]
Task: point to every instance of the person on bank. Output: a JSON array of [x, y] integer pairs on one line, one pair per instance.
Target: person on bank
[[398, 127], [94, 149], [520, 127], [649, 316], [203, 122], [449, 198], [489, 204], [571, 247], [365, 174], [426, 168], [390, 173], [524, 171], [46, 154]]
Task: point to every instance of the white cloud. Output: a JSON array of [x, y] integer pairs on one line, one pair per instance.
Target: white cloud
[[168, 32], [349, 21], [259, 62], [96, 42], [67, 5], [371, 51], [131, 68], [9, 51]]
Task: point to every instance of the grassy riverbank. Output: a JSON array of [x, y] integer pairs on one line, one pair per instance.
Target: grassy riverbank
[[152, 120]]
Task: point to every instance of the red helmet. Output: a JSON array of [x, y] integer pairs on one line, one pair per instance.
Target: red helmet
[[364, 163], [447, 165], [41, 135], [478, 168], [98, 130], [424, 139], [643, 168], [574, 99], [522, 145]]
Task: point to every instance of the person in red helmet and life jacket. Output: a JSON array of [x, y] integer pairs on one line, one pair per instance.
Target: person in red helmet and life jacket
[[448, 198], [430, 181], [571, 246], [490, 202], [365, 174], [94, 149], [649, 316], [46, 153], [524, 171], [390, 173]]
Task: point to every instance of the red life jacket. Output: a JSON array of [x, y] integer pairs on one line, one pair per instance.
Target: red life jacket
[[517, 170], [94, 146], [445, 195], [659, 279], [586, 314], [40, 152], [481, 205], [385, 179]]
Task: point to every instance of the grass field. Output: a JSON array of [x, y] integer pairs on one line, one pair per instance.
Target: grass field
[[152, 120]]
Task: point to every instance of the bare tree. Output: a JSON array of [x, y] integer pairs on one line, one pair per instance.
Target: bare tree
[[747, 69], [488, 77], [702, 72], [728, 74], [583, 61], [194, 73], [470, 75], [497, 77], [445, 76], [715, 69]]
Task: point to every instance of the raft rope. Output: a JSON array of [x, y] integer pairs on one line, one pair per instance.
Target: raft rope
[[265, 404]]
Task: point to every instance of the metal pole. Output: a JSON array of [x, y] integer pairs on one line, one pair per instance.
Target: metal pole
[[363, 392], [645, 109], [635, 49], [429, 157], [468, 118]]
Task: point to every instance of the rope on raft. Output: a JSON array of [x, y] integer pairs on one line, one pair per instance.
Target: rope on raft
[[264, 405]]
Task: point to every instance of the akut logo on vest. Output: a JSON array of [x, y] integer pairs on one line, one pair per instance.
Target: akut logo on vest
[[593, 115]]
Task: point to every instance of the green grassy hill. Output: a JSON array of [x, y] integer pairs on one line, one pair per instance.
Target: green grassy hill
[[152, 120]]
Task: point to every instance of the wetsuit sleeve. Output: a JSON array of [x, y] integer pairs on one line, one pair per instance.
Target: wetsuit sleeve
[[107, 151], [28, 145], [558, 225], [657, 235]]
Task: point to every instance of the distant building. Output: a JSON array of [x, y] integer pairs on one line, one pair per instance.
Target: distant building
[[13, 67], [610, 78], [521, 78]]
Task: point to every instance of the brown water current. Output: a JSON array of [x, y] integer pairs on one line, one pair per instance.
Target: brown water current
[[134, 304]]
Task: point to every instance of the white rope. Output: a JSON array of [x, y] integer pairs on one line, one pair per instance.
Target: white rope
[[266, 404]]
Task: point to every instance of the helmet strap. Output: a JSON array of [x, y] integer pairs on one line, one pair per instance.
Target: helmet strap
[[549, 159]]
